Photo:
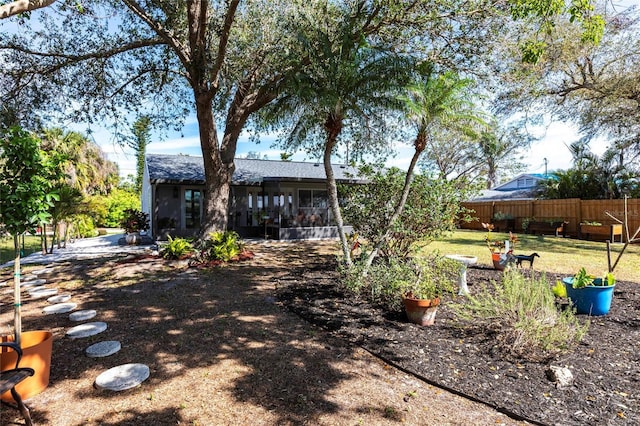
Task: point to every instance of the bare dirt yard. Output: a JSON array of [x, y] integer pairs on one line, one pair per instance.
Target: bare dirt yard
[[273, 341]]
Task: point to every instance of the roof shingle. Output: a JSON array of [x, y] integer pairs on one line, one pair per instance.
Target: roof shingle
[[190, 170]]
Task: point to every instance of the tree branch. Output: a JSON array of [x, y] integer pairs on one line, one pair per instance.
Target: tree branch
[[224, 41], [164, 33], [21, 6], [83, 57]]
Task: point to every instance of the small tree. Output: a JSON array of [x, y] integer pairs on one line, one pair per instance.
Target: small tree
[[141, 138], [431, 209], [27, 179]]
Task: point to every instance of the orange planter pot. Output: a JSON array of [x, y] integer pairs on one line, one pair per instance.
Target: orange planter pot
[[495, 257], [36, 353], [421, 311]]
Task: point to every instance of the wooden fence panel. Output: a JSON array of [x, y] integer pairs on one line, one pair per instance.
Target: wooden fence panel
[[567, 210], [595, 211], [482, 211], [572, 210]]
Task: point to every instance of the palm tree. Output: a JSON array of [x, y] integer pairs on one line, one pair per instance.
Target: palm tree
[[86, 165], [346, 89], [437, 101]]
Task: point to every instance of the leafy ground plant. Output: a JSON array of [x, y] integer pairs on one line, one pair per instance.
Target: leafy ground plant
[[522, 315], [176, 248], [221, 245]]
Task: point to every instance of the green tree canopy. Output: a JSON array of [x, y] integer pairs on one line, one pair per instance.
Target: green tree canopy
[[225, 60], [28, 176], [87, 167], [592, 176]]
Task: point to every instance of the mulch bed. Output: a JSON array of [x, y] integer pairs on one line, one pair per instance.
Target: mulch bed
[[606, 365]]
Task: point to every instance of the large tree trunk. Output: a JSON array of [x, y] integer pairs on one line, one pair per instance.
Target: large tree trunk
[[21, 6], [218, 174], [333, 127]]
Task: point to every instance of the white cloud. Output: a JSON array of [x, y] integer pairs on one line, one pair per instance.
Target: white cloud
[[554, 147]]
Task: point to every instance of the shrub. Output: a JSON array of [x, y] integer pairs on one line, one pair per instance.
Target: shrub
[[388, 280], [522, 315], [382, 284], [433, 209], [83, 226], [221, 245], [176, 248], [109, 210]]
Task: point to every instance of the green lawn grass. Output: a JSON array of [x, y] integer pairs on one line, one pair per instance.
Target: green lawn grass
[[557, 254], [31, 245]]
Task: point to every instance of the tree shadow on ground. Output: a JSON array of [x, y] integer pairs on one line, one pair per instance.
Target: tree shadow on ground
[[187, 325]]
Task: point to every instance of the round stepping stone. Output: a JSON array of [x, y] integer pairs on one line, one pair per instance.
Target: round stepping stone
[[59, 308], [101, 349], [32, 283], [82, 315], [61, 298], [42, 271], [122, 377], [86, 330], [43, 293]]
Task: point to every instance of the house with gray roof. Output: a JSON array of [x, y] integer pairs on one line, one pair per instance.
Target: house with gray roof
[[274, 199], [522, 187]]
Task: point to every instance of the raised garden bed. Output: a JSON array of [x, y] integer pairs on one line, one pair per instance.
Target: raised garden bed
[[548, 227], [601, 232], [503, 225]]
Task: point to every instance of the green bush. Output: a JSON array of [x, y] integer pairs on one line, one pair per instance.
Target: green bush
[[221, 245], [432, 210], [389, 279], [176, 248], [134, 220], [83, 226], [522, 316], [382, 284], [109, 210]]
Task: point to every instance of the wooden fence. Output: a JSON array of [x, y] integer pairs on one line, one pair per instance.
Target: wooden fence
[[572, 210]]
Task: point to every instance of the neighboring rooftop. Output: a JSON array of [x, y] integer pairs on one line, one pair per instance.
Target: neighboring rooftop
[[523, 181], [188, 169], [522, 187]]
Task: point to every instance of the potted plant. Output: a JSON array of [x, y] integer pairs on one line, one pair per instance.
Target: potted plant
[[133, 222], [501, 250], [428, 279], [588, 294], [27, 181]]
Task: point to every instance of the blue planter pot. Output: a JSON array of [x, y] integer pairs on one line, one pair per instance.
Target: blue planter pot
[[590, 300]]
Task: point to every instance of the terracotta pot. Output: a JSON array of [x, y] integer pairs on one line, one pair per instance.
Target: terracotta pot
[[495, 257], [421, 311], [36, 353]]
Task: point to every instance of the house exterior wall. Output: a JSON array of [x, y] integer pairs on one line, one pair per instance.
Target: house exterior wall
[[146, 197], [283, 210]]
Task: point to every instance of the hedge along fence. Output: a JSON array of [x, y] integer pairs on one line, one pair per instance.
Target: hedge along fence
[[572, 210]]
